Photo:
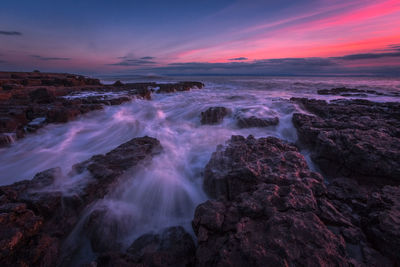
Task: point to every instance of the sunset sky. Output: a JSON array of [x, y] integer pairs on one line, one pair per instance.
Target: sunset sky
[[285, 37]]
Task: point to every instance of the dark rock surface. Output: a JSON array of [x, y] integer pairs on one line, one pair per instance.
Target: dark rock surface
[[353, 138], [214, 115], [248, 122], [344, 91], [271, 210], [172, 247], [178, 87], [36, 216]]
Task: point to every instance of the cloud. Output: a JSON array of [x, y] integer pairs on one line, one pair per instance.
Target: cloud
[[284, 66], [370, 55], [147, 58], [394, 46], [50, 58], [315, 66], [134, 62], [10, 33], [239, 58]]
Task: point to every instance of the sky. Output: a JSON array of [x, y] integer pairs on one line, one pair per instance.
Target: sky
[[218, 37]]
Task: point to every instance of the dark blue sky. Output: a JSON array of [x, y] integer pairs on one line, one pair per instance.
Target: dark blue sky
[[157, 36]]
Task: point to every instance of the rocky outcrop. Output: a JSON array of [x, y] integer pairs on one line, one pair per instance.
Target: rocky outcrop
[[358, 138], [269, 209], [59, 98], [248, 122], [36, 216], [344, 91], [214, 115], [178, 87], [172, 247]]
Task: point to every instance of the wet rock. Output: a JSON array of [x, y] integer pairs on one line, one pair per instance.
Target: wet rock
[[214, 115], [41, 96], [62, 114], [358, 138], [353, 92], [270, 209], [118, 83], [6, 139], [9, 87], [248, 122], [35, 124], [172, 247], [36, 216], [105, 230], [178, 87], [53, 95]]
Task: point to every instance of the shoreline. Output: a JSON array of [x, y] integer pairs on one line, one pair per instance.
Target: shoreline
[[30, 100]]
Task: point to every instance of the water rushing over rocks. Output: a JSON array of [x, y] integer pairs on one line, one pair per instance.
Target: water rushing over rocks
[[148, 199]]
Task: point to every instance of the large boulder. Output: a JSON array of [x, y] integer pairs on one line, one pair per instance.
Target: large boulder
[[172, 247], [359, 138], [214, 115], [178, 87], [269, 209], [253, 121]]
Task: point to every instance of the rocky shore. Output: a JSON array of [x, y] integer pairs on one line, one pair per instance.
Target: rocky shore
[[31, 100], [266, 206]]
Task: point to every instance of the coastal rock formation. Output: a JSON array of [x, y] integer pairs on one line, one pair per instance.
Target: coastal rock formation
[[178, 87], [59, 98], [344, 91], [37, 215], [271, 210], [172, 247], [214, 115], [248, 122], [357, 138]]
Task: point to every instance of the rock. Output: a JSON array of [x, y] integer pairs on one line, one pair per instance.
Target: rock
[[269, 209], [34, 221], [41, 96], [118, 83], [344, 91], [54, 96], [248, 122], [214, 115], [178, 87], [104, 230], [35, 124], [6, 139], [358, 138], [62, 114], [172, 247], [9, 87]]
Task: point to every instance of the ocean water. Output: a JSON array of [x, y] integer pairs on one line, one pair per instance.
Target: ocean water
[[167, 191]]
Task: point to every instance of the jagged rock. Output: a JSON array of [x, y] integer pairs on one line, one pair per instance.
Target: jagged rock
[[214, 115], [271, 210], [34, 221], [172, 247], [359, 138], [118, 83], [344, 91], [178, 87], [41, 96], [248, 122]]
